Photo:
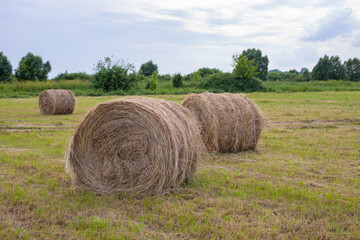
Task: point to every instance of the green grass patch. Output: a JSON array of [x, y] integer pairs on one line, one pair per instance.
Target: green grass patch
[[312, 86], [302, 183], [26, 89]]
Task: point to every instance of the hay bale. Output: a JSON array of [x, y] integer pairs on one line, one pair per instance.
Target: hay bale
[[134, 145], [56, 102], [228, 122]]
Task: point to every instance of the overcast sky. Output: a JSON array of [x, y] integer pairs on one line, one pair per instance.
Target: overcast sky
[[179, 36]]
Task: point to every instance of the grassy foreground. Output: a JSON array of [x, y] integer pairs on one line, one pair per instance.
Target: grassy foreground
[[303, 183]]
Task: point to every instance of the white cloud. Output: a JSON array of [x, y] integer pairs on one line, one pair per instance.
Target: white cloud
[[356, 40], [336, 23]]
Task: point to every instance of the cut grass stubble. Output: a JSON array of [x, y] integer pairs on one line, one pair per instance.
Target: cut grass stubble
[[303, 183]]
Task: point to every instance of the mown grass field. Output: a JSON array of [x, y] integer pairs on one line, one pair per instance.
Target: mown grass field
[[303, 183]]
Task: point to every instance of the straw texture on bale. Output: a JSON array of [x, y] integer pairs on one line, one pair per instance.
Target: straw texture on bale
[[56, 101], [228, 122], [135, 145]]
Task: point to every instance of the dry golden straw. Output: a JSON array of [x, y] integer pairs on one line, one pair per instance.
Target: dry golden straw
[[228, 122], [135, 145], [56, 102]]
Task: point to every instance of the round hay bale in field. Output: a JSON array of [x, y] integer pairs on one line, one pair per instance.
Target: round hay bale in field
[[56, 102], [135, 145], [228, 122]]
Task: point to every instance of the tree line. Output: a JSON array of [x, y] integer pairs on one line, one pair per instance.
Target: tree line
[[30, 67], [250, 69], [114, 75]]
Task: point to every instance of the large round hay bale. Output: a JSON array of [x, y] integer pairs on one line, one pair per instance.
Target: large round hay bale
[[135, 145], [56, 101], [228, 122]]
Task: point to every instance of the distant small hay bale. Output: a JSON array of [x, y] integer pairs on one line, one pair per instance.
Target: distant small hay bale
[[56, 102], [135, 145], [228, 122]]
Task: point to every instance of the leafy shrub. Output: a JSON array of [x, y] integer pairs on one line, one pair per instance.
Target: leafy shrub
[[165, 77], [243, 78], [245, 73], [112, 76], [153, 82], [219, 80], [196, 77], [72, 76], [253, 84], [289, 76], [177, 81], [207, 71], [229, 83], [187, 77]]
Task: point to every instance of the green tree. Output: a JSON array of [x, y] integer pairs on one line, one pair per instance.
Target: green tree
[[261, 61], [31, 67], [148, 68], [177, 80], [244, 68], [306, 76], [245, 73], [323, 69], [329, 68], [196, 77], [338, 69], [5, 68], [353, 69], [113, 76], [153, 82]]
